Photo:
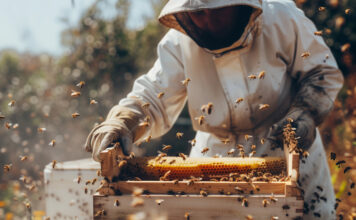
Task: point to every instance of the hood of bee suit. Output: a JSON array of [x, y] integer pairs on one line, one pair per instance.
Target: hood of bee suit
[[175, 7]]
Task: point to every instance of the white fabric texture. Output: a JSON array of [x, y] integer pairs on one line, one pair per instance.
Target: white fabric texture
[[280, 34]]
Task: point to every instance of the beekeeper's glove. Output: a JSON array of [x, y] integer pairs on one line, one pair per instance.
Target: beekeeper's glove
[[302, 121], [121, 125]]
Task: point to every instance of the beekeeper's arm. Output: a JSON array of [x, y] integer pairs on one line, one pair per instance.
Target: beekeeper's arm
[[143, 105], [315, 72]]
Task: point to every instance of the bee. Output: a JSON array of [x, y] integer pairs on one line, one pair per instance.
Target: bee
[[88, 182], [238, 100], [175, 182], [28, 205], [242, 153], [116, 203], [145, 105], [239, 190], [340, 162], [166, 175], [263, 141], [200, 119], [207, 108], [186, 81], [347, 11], [80, 84], [205, 150], [263, 106], [132, 155], [345, 47], [347, 169], [252, 76], [7, 167], [54, 162], [332, 156], [273, 199], [179, 135], [247, 137], [190, 182], [253, 147], [122, 163], [319, 188], [8, 125], [76, 114], [305, 154], [162, 161], [244, 202], [285, 207], [231, 152], [316, 214], [93, 102], [78, 179], [148, 139], [23, 158], [187, 216], [203, 193], [137, 202], [265, 202], [352, 185], [226, 141], [93, 181], [15, 126], [98, 172], [184, 157], [52, 143], [305, 55], [160, 95], [318, 33], [321, 8], [192, 142], [166, 147], [262, 75], [160, 156], [252, 153], [159, 201], [172, 161], [144, 124], [137, 191], [11, 103], [99, 213], [75, 94], [248, 217], [41, 130]]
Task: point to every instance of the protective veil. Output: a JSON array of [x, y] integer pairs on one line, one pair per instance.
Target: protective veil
[[276, 36]]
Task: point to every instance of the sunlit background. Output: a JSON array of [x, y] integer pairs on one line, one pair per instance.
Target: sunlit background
[[48, 46]]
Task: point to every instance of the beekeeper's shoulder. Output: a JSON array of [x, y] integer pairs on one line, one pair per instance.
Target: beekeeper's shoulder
[[281, 12], [171, 41]]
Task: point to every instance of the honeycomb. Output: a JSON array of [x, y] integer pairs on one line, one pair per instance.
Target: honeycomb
[[150, 168]]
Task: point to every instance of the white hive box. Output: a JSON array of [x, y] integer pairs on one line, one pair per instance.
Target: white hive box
[[65, 198]]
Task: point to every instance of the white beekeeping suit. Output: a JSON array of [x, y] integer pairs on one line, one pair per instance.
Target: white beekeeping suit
[[276, 36]]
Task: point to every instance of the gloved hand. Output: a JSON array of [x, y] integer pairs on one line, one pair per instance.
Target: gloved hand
[[121, 125], [305, 128]]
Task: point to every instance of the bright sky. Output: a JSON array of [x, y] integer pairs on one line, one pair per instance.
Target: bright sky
[[35, 25]]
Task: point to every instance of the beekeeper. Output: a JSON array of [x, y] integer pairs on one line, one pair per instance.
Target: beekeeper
[[258, 62]]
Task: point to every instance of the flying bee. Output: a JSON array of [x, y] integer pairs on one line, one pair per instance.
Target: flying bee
[[252, 76], [93, 102], [8, 125], [205, 150], [160, 156], [263, 141], [23, 158], [345, 47], [186, 81], [52, 143], [137, 202], [305, 55], [262, 75], [247, 137], [116, 203], [11, 103], [137, 191], [28, 205], [15, 126], [347, 11], [166, 147], [244, 202], [81, 84], [192, 142], [252, 153], [54, 162], [240, 146], [41, 130], [263, 106], [172, 161], [122, 163], [75, 115], [75, 94], [253, 147], [265, 202], [239, 100], [184, 157], [179, 135], [231, 152], [321, 8], [148, 139], [200, 119], [7, 167], [318, 33], [159, 201], [160, 95]]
